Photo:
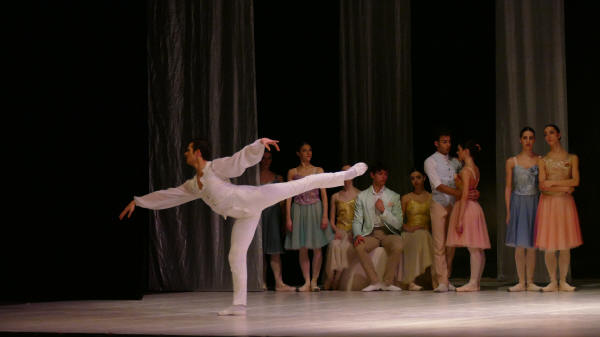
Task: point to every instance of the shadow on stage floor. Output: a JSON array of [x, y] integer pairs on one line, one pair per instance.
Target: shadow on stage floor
[[490, 312]]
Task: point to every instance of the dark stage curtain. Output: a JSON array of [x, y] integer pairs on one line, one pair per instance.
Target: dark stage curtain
[[376, 112], [201, 84], [530, 91]]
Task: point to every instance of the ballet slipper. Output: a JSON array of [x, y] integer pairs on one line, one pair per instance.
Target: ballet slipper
[[564, 286], [304, 288], [284, 287], [552, 286], [517, 287], [234, 310], [467, 288], [533, 287], [414, 287], [314, 287], [356, 170]]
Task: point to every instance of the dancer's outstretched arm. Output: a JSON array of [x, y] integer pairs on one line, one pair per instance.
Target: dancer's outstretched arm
[[162, 199], [250, 155]]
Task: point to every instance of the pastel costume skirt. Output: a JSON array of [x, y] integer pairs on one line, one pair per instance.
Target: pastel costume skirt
[[306, 227], [418, 254], [557, 223], [271, 230], [521, 225], [475, 234]]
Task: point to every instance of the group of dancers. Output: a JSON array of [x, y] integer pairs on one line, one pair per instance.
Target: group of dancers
[[421, 229]]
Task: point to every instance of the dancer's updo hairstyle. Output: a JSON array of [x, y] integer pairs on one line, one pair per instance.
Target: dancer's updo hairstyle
[[555, 128], [473, 147], [527, 128]]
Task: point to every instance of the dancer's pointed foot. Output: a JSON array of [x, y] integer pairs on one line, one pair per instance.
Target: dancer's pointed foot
[[533, 287], [234, 310], [552, 286], [284, 287], [518, 287], [414, 287], [564, 286], [468, 287], [356, 170], [451, 287]]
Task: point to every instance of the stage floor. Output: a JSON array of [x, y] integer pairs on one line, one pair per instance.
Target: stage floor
[[491, 312]]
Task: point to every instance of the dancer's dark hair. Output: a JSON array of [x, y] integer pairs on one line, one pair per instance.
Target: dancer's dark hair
[[555, 128], [473, 147], [378, 166], [442, 132], [204, 146], [300, 144], [527, 128]]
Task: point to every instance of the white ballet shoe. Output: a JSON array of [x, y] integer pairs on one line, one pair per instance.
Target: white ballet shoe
[[234, 310], [391, 287], [451, 287], [356, 170], [441, 288], [373, 287]]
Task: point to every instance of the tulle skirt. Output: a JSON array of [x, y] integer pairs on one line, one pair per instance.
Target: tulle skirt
[[557, 223], [475, 234], [306, 227], [520, 230]]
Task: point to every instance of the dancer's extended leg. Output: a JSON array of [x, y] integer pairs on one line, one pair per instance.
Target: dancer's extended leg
[[241, 237], [267, 195]]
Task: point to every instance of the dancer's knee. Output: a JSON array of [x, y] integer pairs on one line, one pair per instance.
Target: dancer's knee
[[237, 258]]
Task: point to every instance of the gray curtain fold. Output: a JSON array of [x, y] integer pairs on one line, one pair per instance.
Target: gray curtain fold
[[376, 110], [201, 85], [530, 91]]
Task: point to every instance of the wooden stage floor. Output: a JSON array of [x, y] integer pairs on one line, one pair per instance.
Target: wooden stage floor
[[491, 312]]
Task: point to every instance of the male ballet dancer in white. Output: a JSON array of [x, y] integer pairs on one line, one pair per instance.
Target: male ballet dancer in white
[[242, 202]]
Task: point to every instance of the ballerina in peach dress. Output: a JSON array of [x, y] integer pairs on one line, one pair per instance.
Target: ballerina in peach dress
[[557, 221], [467, 226]]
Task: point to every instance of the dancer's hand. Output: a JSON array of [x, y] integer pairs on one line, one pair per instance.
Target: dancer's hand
[[473, 195], [547, 184], [128, 210], [379, 205], [359, 239], [288, 225], [571, 190], [338, 234], [507, 218], [324, 223], [266, 142]]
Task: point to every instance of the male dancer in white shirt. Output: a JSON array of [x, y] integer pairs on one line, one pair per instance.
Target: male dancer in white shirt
[[441, 170], [244, 203]]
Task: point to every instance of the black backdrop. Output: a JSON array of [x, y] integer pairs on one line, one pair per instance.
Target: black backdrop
[[77, 149]]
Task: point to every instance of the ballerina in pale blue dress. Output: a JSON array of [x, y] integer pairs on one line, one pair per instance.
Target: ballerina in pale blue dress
[[521, 197]]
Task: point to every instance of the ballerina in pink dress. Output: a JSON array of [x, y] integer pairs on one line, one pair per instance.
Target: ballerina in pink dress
[[467, 226]]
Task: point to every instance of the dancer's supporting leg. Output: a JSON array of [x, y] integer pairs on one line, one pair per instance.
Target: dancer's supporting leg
[[316, 268], [530, 268], [550, 257], [520, 262], [564, 260], [305, 267], [241, 237], [477, 264], [439, 227]]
